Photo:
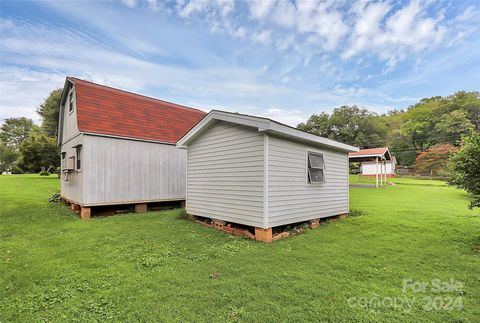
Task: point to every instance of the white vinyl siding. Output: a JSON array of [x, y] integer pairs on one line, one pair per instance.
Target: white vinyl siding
[[290, 197], [119, 171], [225, 174], [370, 168]]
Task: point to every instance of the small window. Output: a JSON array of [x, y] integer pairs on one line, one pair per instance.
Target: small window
[[63, 159], [70, 103], [316, 166], [79, 157]]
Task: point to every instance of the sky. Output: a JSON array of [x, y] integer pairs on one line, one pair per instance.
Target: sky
[[280, 59]]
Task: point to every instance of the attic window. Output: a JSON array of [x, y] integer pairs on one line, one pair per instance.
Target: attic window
[[70, 102], [316, 166]]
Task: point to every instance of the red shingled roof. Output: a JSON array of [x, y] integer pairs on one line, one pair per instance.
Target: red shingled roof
[[105, 110], [369, 151]]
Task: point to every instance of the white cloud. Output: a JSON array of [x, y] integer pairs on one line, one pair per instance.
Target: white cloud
[[154, 5], [393, 35], [295, 80], [289, 117], [262, 37], [286, 43], [284, 14], [221, 7], [468, 14], [367, 25], [240, 32], [22, 90], [260, 8], [384, 30], [192, 6], [130, 3]]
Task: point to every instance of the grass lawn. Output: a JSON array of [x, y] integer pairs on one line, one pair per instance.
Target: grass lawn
[[157, 266]]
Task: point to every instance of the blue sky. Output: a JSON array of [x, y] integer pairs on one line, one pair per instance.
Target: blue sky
[[280, 59]]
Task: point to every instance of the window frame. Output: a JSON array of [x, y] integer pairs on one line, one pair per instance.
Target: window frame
[[70, 103], [308, 167], [78, 157]]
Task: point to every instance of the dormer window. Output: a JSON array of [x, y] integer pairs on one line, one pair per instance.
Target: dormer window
[[70, 102]]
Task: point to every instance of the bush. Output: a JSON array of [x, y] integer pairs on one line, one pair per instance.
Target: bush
[[465, 168], [17, 170], [44, 173]]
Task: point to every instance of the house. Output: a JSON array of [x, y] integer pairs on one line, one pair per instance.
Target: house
[[119, 147], [374, 162], [368, 168], [260, 173]]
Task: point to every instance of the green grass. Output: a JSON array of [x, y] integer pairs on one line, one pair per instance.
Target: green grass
[[409, 180], [157, 266]]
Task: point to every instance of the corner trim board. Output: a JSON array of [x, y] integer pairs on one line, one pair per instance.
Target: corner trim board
[[265, 180]]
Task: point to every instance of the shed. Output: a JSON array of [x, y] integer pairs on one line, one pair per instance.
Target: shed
[[374, 163], [258, 172], [119, 147]]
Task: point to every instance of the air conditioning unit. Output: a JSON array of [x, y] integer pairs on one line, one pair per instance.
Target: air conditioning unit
[[70, 164]]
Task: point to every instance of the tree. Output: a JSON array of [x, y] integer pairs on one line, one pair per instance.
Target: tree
[[434, 160], [465, 167], [14, 131], [468, 102], [419, 123], [49, 111], [39, 151], [318, 124], [349, 124], [453, 125], [8, 156]]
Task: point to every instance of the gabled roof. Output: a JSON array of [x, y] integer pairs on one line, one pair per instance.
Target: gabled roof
[[262, 125], [105, 110], [370, 153]]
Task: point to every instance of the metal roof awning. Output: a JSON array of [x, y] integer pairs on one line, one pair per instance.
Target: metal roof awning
[[371, 154]]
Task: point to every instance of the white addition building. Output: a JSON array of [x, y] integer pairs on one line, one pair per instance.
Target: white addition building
[[258, 172], [119, 147], [369, 168], [377, 162]]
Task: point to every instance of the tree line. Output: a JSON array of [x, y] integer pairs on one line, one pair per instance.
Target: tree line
[[430, 127], [26, 147], [440, 135]]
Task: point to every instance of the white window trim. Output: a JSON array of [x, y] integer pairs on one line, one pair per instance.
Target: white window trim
[[78, 153], [307, 167], [71, 99]]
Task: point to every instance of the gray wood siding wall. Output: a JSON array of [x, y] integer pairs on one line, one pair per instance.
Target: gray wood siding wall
[[70, 125], [225, 174], [290, 198], [73, 188], [120, 171]]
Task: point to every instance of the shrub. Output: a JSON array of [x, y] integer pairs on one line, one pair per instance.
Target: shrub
[[465, 168], [17, 170], [44, 173]]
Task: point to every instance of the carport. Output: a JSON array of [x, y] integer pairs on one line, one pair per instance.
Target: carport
[[377, 155]]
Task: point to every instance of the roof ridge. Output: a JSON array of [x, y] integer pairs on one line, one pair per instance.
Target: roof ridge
[[110, 88]]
